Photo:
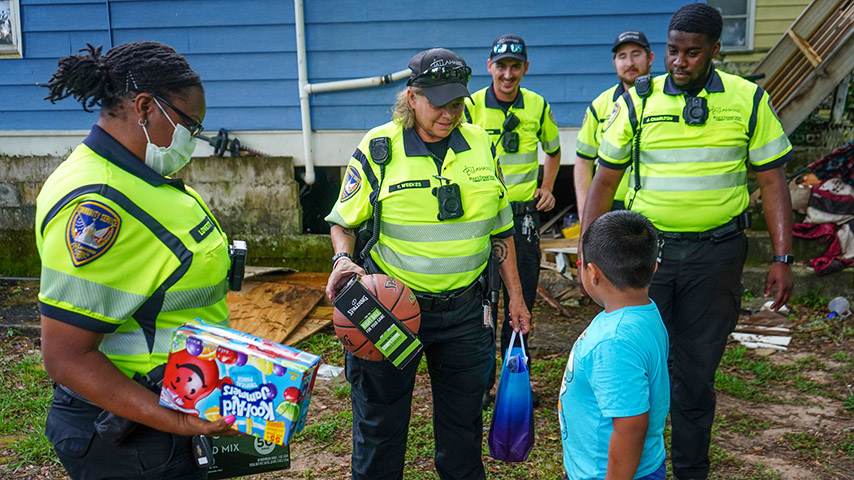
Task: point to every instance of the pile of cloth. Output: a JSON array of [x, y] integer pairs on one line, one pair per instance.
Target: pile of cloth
[[829, 208]]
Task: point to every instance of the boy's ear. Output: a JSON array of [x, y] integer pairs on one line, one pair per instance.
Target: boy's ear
[[595, 273]]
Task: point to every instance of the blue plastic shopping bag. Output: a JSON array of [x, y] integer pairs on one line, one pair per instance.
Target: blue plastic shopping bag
[[511, 435]]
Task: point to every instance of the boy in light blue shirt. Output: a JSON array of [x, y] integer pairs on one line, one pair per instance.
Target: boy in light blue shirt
[[616, 391]]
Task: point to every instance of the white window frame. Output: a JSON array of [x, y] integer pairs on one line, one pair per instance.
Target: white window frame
[[749, 24], [15, 50]]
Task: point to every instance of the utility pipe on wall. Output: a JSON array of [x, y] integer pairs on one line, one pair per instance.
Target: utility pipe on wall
[[305, 89]]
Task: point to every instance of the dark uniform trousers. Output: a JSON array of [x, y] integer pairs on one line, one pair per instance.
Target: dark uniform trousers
[[460, 353], [145, 454], [698, 290]]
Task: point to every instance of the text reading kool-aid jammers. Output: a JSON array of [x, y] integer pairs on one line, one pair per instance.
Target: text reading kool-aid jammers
[[248, 403]]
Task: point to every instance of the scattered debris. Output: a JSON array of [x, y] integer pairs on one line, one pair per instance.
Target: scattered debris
[[545, 295], [280, 304]]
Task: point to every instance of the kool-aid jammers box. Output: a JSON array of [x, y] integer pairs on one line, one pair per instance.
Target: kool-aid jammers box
[[214, 372]]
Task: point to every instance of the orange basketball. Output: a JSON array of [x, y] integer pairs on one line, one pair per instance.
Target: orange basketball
[[393, 295]]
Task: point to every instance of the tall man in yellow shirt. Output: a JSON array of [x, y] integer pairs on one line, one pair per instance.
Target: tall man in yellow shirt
[[690, 136]]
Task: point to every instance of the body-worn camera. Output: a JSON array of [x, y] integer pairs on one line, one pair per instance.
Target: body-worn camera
[[696, 111], [510, 140], [450, 201], [237, 254]]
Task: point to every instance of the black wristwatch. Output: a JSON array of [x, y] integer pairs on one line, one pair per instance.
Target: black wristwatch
[[339, 256], [788, 259]]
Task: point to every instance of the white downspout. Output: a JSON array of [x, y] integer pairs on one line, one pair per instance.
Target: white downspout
[[305, 111], [305, 89]]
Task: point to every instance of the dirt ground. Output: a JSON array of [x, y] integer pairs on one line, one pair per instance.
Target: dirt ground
[[805, 432]]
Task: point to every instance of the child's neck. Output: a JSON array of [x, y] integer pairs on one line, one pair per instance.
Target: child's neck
[[630, 297]]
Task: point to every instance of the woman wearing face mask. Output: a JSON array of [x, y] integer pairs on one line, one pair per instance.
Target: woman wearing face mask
[[128, 254]]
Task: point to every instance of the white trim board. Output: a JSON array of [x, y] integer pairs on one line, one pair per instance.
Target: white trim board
[[332, 148]]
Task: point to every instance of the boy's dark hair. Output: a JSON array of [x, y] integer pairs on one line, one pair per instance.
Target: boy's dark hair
[[125, 71], [624, 245], [698, 18]]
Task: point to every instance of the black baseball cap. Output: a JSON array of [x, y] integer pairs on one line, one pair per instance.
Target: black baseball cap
[[630, 36], [508, 46], [441, 74]]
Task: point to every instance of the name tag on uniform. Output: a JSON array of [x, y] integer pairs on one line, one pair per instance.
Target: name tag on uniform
[[660, 118], [409, 184], [202, 230]]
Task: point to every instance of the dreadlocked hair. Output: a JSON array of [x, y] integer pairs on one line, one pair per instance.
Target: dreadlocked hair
[[698, 18], [126, 70]]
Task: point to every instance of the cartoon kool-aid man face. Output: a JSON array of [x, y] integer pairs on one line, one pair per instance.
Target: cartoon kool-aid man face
[[193, 377]]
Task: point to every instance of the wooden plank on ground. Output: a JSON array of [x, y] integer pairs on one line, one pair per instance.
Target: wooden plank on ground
[[309, 326], [272, 310]]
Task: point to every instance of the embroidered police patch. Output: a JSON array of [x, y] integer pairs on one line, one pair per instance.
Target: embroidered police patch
[[352, 183], [500, 174], [91, 231], [614, 112]]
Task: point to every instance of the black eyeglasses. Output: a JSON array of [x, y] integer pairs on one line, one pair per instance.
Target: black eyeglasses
[[502, 47], [194, 127], [442, 75]]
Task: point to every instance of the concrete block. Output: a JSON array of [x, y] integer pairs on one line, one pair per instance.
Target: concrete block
[[10, 196]]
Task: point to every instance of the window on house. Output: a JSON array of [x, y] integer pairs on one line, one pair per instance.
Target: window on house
[[738, 17], [10, 29]]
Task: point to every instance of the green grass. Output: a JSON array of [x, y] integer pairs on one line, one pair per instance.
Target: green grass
[[26, 398], [325, 345], [324, 429], [812, 300], [751, 378], [847, 445], [804, 442], [754, 471], [741, 424]]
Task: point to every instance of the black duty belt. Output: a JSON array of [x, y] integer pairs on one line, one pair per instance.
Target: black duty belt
[[442, 302], [723, 232], [521, 208]]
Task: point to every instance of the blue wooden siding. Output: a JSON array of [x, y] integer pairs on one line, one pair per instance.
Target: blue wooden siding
[[245, 52]]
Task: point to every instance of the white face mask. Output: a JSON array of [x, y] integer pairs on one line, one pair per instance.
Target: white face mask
[[168, 160]]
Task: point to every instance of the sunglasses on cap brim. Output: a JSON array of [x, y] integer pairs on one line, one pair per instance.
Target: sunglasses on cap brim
[[442, 75], [503, 47]]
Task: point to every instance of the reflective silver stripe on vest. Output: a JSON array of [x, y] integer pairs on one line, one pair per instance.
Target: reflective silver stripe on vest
[[551, 144], [586, 149], [691, 184], [194, 298], [88, 295], [432, 266], [517, 158], [694, 155], [133, 342], [504, 217], [442, 232], [769, 150], [520, 178], [615, 153]]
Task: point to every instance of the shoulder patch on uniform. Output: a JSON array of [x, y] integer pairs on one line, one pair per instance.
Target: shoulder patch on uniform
[[352, 183], [614, 112], [91, 231], [552, 116], [500, 173], [583, 120]]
